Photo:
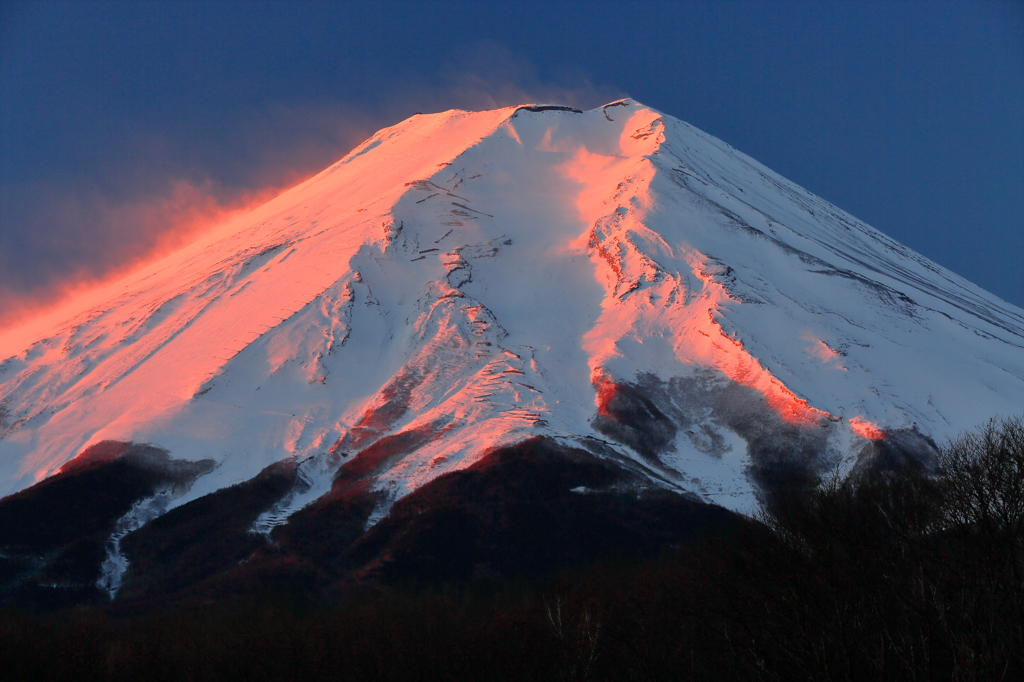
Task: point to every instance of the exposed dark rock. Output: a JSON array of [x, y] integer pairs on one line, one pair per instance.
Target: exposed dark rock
[[646, 415], [900, 451], [376, 457], [627, 414], [548, 107]]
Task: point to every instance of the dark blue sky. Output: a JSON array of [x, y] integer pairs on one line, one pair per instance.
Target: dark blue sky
[[123, 122]]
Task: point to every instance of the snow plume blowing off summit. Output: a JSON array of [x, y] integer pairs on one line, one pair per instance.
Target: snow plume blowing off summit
[[612, 280]]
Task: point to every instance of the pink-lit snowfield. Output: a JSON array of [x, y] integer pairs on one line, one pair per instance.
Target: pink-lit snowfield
[[466, 280]]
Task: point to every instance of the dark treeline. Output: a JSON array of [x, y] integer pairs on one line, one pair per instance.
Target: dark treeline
[[912, 574]]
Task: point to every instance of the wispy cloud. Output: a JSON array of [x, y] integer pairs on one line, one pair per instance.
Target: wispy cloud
[[62, 238], [80, 239], [157, 190], [487, 75]]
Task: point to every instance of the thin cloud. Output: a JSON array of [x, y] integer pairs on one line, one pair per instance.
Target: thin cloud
[[487, 75], [158, 192], [81, 240], [60, 241]]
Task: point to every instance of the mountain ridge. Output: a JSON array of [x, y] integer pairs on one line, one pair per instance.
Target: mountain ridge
[[614, 280]]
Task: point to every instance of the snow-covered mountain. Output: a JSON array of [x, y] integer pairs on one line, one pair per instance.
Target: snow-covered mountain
[[614, 280]]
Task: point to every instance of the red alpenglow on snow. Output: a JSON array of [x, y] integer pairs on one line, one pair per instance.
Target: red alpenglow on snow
[[466, 280], [157, 227], [866, 429]]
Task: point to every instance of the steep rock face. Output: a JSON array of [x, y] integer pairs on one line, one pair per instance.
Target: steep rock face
[[613, 280]]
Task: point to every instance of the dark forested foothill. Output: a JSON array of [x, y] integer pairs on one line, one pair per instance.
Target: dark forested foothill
[[899, 573], [521, 512], [53, 535]]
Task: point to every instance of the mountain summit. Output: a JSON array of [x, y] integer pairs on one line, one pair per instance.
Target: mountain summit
[[614, 282]]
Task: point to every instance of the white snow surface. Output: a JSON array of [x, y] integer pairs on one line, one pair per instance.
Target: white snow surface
[[471, 279]]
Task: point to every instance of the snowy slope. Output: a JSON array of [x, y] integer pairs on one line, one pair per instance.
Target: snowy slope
[[465, 280]]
